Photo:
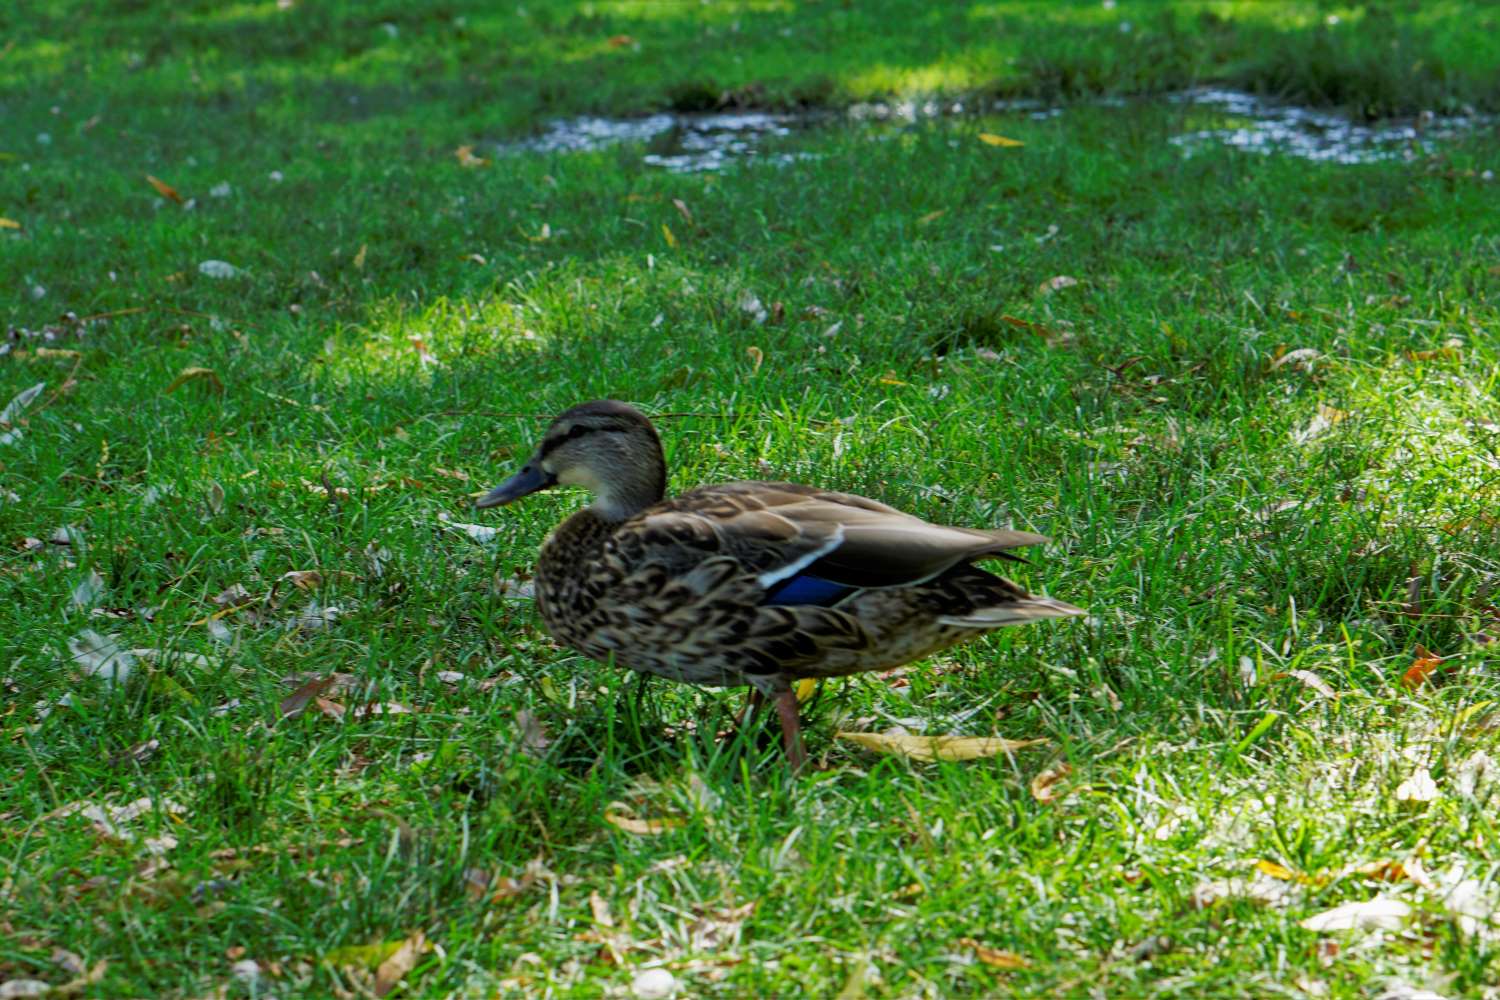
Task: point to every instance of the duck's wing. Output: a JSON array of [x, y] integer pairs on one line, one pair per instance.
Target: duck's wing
[[782, 532]]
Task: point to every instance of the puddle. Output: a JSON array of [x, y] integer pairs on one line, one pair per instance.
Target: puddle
[[689, 143], [681, 143], [1256, 125]]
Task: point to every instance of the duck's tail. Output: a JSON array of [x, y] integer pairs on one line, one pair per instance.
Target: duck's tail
[[1018, 612]]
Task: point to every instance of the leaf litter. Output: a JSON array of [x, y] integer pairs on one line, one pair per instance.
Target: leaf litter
[[934, 748]]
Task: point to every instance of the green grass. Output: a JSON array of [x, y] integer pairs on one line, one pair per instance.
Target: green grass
[[1156, 423]]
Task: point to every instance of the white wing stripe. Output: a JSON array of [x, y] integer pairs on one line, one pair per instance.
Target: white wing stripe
[[771, 577]]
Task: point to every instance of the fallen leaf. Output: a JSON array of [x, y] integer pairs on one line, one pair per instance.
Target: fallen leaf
[[533, 735], [994, 957], [991, 139], [8, 223], [164, 189], [296, 703], [101, 656], [1301, 354], [302, 579], [191, 374], [466, 158], [932, 217], [1044, 787], [756, 355], [1418, 788], [619, 41], [18, 404], [1379, 913], [615, 814], [1382, 871], [1056, 284], [599, 907], [89, 592], [402, 961], [928, 748], [666, 232], [682, 210], [1436, 354], [1284, 874], [804, 688], [15, 989], [359, 258], [1422, 668], [1315, 682]]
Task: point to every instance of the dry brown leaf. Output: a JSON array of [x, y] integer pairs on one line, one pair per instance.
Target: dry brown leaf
[[1422, 668], [190, 374], [1044, 787], [303, 579], [402, 961], [991, 139], [682, 210], [164, 189], [994, 957], [620, 41], [949, 747], [1382, 871], [1056, 284], [466, 158], [599, 907], [1436, 354], [533, 735], [296, 703], [359, 258], [617, 815]]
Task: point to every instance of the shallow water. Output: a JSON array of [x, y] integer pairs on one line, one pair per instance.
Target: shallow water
[[686, 143]]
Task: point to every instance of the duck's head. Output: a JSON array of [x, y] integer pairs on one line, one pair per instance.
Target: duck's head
[[607, 447]]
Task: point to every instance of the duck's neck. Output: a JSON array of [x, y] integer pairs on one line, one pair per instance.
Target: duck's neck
[[628, 492]]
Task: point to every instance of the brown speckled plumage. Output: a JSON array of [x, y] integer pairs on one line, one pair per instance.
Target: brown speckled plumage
[[687, 587]]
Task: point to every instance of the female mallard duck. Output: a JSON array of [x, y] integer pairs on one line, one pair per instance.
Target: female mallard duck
[[749, 582]]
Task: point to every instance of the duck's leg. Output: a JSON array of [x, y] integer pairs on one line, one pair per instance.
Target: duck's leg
[[791, 729]]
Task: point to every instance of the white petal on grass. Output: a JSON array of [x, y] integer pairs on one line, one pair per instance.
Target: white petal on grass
[[89, 592], [1418, 788], [218, 269], [1380, 913], [481, 533], [653, 984], [101, 656]]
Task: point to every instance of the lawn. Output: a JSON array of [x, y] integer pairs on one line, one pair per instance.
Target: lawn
[[1251, 399]]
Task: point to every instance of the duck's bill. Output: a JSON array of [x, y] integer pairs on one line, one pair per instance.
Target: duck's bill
[[528, 480]]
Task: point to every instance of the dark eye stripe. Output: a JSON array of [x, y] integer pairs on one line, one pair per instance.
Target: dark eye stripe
[[576, 431]]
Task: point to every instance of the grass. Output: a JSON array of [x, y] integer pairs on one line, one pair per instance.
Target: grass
[[1259, 425]]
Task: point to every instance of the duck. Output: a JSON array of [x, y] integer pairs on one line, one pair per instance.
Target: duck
[[750, 583]]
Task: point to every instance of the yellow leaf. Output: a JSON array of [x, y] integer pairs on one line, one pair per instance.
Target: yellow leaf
[[359, 258], [991, 139], [1332, 414], [666, 232], [189, 374], [466, 157], [1383, 871], [362, 956], [615, 815], [8, 223], [1044, 786], [164, 189], [756, 355], [994, 957], [937, 747], [1436, 354], [805, 688]]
